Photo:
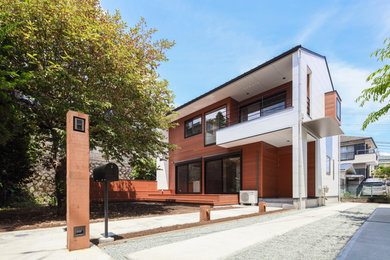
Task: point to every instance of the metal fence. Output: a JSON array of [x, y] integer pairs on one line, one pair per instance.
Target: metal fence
[[364, 191]]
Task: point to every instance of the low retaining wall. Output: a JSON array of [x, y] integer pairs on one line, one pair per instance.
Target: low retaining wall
[[123, 190]]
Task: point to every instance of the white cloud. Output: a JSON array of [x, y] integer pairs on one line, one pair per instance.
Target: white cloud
[[313, 25], [349, 81]]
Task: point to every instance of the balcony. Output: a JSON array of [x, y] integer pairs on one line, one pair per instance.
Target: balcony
[[272, 128], [368, 156]]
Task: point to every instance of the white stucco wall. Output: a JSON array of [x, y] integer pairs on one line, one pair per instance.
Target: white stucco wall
[[331, 180], [320, 84], [162, 174]]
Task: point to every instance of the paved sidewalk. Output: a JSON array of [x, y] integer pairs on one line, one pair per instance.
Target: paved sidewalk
[[50, 243], [372, 240], [222, 244]]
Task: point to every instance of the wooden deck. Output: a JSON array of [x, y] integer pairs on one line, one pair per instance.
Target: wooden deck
[[137, 190], [210, 199]]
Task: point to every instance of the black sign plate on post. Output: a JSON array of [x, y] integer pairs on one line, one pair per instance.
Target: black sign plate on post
[[79, 231], [78, 124]]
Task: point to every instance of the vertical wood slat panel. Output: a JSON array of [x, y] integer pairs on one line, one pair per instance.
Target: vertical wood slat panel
[[311, 182]]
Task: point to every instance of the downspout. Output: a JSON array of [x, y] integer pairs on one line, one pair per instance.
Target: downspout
[[338, 166], [300, 155]]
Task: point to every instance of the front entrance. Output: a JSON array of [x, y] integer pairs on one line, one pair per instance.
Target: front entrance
[[223, 174]]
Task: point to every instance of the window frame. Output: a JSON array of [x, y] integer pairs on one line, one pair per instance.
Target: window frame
[[221, 157], [205, 122], [192, 119], [260, 101], [197, 160], [328, 164], [338, 109]]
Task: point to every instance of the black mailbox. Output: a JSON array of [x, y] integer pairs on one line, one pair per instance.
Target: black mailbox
[[107, 172]]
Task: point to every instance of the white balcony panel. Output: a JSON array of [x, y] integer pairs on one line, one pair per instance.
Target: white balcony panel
[[274, 129], [369, 159]]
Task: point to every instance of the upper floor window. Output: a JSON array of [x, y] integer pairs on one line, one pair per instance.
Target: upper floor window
[[347, 152], [338, 109], [265, 106], [193, 126], [215, 120]]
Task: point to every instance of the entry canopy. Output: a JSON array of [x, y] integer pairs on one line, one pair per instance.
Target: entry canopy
[[324, 127], [348, 168]]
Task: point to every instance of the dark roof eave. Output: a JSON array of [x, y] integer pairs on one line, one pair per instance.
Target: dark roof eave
[[361, 139], [284, 54]]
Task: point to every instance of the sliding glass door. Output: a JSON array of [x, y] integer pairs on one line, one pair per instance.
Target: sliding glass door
[[223, 174], [188, 177]]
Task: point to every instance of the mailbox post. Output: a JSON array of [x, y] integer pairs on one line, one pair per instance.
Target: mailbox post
[[106, 173]]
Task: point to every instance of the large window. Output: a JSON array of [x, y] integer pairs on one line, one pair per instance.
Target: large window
[[347, 152], [264, 107], [223, 175], [214, 120], [188, 177], [193, 126]]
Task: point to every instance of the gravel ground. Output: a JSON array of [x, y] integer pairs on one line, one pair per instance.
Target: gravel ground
[[323, 239], [320, 240], [119, 251]]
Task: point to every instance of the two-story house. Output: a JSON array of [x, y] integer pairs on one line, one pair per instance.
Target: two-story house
[[273, 129], [358, 158]]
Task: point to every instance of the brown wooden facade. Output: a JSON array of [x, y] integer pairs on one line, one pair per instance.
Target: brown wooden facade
[[264, 167]]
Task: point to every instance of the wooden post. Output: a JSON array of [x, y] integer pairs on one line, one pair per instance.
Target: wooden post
[[77, 180], [262, 207], [205, 213]]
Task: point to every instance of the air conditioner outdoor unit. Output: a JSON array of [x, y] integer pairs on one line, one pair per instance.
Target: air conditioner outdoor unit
[[248, 197]]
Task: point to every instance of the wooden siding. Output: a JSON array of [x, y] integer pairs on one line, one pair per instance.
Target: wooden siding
[[249, 163], [269, 172], [331, 105], [311, 170], [285, 172], [193, 147], [272, 178]]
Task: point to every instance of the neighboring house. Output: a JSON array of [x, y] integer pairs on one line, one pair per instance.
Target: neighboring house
[[384, 159], [358, 158], [273, 129]]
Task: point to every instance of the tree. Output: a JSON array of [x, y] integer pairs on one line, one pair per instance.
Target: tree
[[145, 169], [380, 85], [382, 172], [15, 154], [82, 58]]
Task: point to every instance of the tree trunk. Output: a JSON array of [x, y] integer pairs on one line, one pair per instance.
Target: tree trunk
[[60, 182]]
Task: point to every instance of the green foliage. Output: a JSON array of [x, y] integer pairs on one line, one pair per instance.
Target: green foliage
[[347, 195], [144, 169], [382, 172], [79, 57], [16, 157], [380, 85]]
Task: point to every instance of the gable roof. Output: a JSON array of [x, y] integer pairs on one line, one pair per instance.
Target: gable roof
[[284, 54]]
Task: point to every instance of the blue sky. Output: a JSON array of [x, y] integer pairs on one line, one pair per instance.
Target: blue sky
[[218, 40]]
